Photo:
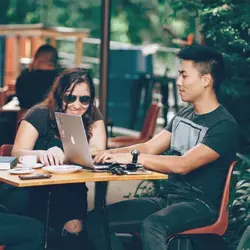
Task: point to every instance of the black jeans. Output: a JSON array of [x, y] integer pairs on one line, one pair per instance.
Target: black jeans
[[15, 199], [67, 202], [20, 233], [155, 218]]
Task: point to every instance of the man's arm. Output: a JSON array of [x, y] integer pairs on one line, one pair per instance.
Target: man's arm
[[157, 145], [196, 157], [220, 140]]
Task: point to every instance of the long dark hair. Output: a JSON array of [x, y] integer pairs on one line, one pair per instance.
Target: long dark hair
[[70, 78]]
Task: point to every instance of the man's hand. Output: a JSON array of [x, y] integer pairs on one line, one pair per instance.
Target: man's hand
[[122, 158], [53, 156], [99, 155]]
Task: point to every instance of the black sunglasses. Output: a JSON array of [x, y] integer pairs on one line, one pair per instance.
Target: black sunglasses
[[85, 99]]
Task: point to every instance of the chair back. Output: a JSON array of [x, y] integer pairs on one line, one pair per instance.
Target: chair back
[[5, 150], [3, 95], [224, 213], [220, 226], [149, 124]]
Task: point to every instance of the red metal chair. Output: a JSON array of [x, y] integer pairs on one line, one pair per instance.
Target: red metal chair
[[5, 150], [147, 131], [220, 225]]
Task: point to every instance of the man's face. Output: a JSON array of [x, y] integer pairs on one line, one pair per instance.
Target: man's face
[[191, 85]]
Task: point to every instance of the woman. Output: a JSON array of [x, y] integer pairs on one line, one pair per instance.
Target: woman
[[73, 93]]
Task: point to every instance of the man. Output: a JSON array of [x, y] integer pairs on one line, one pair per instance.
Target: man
[[201, 140], [33, 84]]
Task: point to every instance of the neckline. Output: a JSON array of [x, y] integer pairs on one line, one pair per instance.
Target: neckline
[[210, 112]]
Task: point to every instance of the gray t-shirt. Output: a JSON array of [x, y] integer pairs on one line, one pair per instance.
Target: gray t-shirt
[[219, 131]]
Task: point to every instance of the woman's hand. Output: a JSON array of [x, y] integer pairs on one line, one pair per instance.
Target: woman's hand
[[53, 156]]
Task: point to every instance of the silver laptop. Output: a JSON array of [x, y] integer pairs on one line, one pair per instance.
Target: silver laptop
[[75, 143]]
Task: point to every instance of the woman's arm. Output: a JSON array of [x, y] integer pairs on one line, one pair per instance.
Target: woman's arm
[[98, 139], [25, 140]]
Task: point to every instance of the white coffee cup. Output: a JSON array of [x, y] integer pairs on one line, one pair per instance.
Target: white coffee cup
[[28, 161]]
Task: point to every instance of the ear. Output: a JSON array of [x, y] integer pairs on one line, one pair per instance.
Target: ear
[[207, 80]]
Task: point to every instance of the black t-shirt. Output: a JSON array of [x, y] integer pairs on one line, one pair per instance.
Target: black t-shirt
[[219, 131], [33, 86], [38, 117]]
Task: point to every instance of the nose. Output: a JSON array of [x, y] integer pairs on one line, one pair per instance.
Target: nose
[[179, 81], [77, 104]]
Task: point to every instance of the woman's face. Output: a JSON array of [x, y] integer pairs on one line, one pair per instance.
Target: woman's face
[[78, 101]]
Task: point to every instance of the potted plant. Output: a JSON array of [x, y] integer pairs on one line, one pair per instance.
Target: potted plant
[[239, 202]]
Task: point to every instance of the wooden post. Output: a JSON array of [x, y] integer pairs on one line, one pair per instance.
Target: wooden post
[[33, 46], [28, 47], [16, 46], [78, 52], [42, 40]]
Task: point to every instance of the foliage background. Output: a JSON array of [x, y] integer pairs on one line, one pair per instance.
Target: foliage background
[[225, 25]]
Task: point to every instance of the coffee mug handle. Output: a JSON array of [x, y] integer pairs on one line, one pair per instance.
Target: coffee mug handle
[[21, 159]]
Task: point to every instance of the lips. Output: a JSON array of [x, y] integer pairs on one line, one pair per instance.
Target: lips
[[76, 112]]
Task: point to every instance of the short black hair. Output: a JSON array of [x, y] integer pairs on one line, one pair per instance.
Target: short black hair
[[206, 60], [49, 51]]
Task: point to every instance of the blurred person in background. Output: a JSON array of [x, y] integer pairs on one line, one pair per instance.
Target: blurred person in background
[[33, 85]]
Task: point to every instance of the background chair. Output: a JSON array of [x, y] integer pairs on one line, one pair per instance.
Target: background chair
[[219, 227], [147, 131], [3, 95], [5, 149]]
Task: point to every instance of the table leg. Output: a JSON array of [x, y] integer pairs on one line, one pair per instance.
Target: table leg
[[46, 230], [101, 187]]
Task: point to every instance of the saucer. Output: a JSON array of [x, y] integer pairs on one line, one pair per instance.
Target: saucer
[[38, 165], [62, 169], [21, 170]]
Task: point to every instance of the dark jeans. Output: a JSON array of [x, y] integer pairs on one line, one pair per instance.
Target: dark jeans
[[155, 218], [20, 233], [16, 200], [67, 202]]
